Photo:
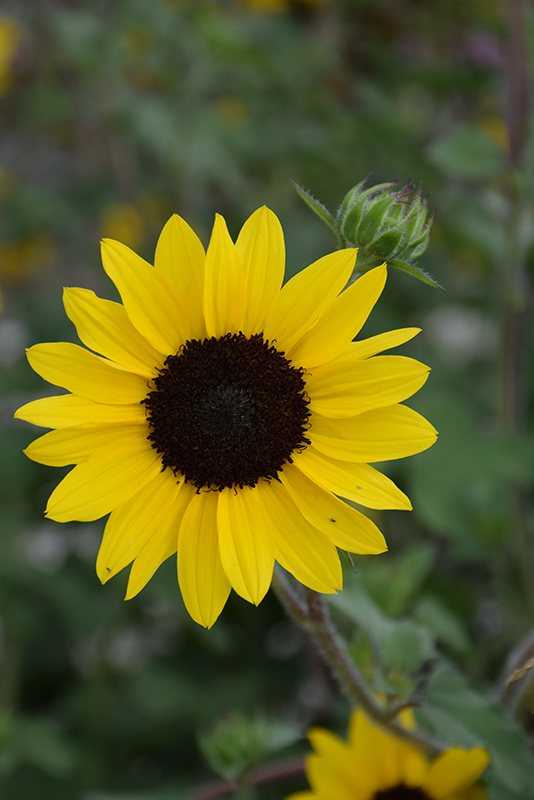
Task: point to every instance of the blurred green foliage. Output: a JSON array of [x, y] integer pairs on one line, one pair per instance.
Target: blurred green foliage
[[114, 116]]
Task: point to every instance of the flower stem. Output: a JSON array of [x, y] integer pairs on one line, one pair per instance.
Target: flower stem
[[314, 618]]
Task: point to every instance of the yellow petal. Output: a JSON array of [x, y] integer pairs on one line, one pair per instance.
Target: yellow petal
[[203, 583], [180, 258], [379, 435], [261, 247], [347, 387], [358, 482], [304, 298], [245, 542], [149, 514], [302, 796], [105, 327], [161, 545], [383, 341], [341, 321], [81, 372], [151, 302], [345, 526], [74, 445], [107, 479], [332, 771], [454, 771], [415, 766], [299, 547], [65, 410], [224, 288], [379, 754]]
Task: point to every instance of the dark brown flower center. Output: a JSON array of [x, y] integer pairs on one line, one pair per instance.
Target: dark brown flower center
[[226, 412], [402, 792]]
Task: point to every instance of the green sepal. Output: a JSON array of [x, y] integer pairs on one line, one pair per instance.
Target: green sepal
[[388, 242], [348, 201], [351, 222], [415, 272], [321, 211], [372, 222], [353, 205]]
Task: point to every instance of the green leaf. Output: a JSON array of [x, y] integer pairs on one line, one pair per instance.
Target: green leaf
[[238, 742], [405, 577], [435, 616], [468, 153], [415, 272], [321, 210], [402, 644], [467, 719], [358, 606], [406, 648]]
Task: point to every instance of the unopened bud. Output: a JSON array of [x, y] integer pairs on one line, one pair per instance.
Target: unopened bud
[[387, 222]]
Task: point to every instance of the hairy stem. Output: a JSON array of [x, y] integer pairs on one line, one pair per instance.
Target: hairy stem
[[313, 617]]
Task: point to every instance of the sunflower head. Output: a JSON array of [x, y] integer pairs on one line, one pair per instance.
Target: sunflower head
[[375, 765], [220, 416]]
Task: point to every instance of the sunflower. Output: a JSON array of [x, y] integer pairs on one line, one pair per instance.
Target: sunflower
[[374, 765], [220, 415]]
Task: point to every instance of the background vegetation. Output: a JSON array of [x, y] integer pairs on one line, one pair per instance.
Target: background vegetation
[[115, 115]]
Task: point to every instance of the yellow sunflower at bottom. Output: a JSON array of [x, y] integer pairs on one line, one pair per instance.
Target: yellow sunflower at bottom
[[375, 765], [225, 414]]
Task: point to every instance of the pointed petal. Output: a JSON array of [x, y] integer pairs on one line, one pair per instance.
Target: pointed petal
[[203, 582], [346, 387], [305, 297], [224, 289], [261, 247], [152, 304], [379, 435], [65, 410], [74, 445], [454, 771], [412, 765], [380, 755], [180, 258], [81, 372], [415, 767], [345, 526], [341, 321], [331, 770], [161, 545], [299, 547], [245, 542], [358, 482], [105, 327], [107, 479], [149, 513], [383, 341]]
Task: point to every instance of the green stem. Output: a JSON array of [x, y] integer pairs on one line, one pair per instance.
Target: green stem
[[313, 617], [514, 284]]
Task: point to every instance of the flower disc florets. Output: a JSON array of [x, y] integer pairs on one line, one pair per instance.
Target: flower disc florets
[[227, 411]]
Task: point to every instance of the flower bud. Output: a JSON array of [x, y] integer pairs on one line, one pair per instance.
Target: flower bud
[[387, 222]]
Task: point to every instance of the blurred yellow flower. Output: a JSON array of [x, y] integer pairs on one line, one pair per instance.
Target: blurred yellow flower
[[274, 6], [22, 258], [495, 128], [231, 111], [227, 413], [124, 222], [375, 765], [10, 38]]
